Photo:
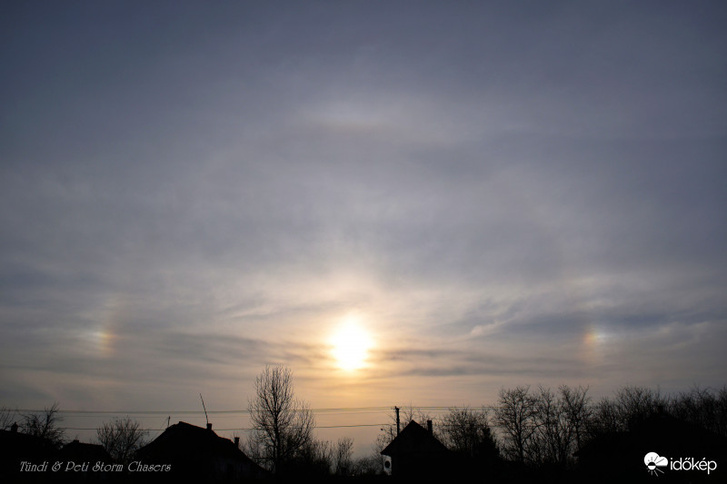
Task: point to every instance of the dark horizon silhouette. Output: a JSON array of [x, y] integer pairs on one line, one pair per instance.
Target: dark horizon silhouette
[[544, 434]]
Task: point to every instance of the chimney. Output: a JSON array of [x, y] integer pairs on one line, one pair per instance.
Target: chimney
[[397, 420], [429, 427], [209, 426], [237, 442], [14, 427]]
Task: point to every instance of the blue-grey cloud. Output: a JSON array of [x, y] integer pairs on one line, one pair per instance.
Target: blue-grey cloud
[[201, 189]]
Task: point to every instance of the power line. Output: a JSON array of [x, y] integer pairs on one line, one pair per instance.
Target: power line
[[244, 429], [230, 413], [246, 411]]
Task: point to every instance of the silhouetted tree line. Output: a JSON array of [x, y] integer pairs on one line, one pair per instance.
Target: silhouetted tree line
[[536, 433], [528, 428], [540, 429], [543, 426]]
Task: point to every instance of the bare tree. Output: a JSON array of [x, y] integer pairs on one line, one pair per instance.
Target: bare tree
[[720, 424], [705, 407], [545, 426], [45, 425], [628, 408], [121, 438], [638, 403], [468, 432], [7, 418], [342, 456], [313, 460], [368, 465], [553, 436], [578, 411], [606, 418], [281, 425], [515, 414]]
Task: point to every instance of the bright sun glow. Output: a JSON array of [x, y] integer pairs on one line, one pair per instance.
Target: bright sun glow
[[351, 345]]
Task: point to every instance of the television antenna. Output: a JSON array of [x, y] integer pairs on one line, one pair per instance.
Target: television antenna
[[205, 411]]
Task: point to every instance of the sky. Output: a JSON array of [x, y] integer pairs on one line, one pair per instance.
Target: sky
[[488, 194]]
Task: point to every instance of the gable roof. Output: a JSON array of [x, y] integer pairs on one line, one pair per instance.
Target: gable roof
[[14, 443], [183, 439], [201, 455], [414, 439], [16, 447], [80, 451]]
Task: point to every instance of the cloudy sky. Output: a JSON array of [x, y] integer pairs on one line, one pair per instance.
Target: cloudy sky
[[488, 193]]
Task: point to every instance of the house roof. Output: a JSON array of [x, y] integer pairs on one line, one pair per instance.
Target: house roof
[[16, 443], [81, 451], [414, 439], [184, 439]]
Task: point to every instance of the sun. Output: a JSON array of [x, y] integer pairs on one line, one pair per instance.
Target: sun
[[350, 346]]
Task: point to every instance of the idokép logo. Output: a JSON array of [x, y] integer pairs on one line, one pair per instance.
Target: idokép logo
[[654, 461]]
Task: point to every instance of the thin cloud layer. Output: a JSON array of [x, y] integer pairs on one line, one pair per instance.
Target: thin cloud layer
[[502, 194]]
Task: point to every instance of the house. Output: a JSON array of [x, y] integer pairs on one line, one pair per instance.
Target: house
[[416, 452], [195, 453], [86, 463], [32, 454], [81, 452]]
